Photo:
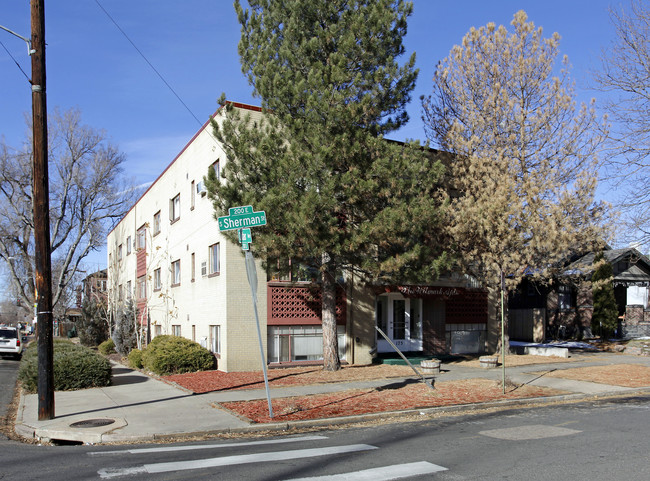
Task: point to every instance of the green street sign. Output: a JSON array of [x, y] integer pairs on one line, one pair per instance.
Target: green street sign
[[241, 217]]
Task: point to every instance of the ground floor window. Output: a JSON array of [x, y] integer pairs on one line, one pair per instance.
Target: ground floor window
[[300, 343], [176, 330], [215, 339]]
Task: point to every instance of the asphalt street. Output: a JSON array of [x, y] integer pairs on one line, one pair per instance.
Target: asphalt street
[[597, 440]]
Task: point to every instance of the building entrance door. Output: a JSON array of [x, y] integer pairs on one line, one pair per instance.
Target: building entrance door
[[401, 319]]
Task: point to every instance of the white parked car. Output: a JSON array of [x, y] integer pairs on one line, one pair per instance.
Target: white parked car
[[11, 342]]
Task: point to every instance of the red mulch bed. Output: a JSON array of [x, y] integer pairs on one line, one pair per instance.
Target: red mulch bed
[[208, 381], [364, 401]]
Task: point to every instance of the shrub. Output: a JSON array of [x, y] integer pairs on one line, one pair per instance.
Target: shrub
[[93, 324], [124, 334], [107, 347], [175, 355], [135, 358], [75, 367]]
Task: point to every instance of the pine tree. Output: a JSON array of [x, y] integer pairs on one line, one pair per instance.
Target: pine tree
[[605, 316], [525, 157], [93, 325], [338, 196]]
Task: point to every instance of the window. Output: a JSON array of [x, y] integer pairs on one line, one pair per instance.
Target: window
[[300, 343], [215, 339], [157, 330], [176, 273], [128, 289], [193, 266], [193, 332], [120, 292], [565, 297], [141, 239], [176, 330], [157, 285], [214, 258], [156, 223], [128, 245], [142, 287], [119, 252], [192, 195], [175, 208], [217, 168]]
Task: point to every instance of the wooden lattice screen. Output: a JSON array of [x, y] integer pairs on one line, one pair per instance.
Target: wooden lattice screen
[[471, 308], [295, 305]]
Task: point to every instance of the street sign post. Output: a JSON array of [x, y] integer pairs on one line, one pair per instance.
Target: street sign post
[[243, 218]]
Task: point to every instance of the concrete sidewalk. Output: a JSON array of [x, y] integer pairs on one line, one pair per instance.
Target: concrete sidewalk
[[140, 408]]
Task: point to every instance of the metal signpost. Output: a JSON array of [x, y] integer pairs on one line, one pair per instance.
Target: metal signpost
[[242, 218]]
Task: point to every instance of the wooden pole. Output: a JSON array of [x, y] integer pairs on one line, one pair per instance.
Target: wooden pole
[[41, 212]]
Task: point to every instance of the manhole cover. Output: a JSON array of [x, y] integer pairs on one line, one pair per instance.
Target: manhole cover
[[92, 423]]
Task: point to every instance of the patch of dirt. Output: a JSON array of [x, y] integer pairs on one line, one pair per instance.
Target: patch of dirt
[[514, 360], [364, 401], [625, 375], [207, 381]]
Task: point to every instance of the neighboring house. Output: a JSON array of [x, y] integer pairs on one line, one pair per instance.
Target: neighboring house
[[94, 287], [185, 278], [564, 308]]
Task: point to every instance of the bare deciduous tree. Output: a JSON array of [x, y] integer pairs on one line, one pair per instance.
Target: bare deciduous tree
[[87, 196], [525, 166], [625, 76]]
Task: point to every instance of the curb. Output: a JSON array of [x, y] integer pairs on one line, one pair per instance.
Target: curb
[[28, 432]]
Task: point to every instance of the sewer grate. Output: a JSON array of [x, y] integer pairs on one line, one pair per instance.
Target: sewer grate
[[92, 423]]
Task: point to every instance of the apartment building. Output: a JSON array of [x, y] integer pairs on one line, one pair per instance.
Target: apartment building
[[168, 256]]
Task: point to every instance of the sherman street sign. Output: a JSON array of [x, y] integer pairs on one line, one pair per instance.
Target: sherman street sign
[[241, 217]]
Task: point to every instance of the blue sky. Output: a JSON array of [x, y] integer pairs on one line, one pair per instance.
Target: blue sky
[[193, 45]]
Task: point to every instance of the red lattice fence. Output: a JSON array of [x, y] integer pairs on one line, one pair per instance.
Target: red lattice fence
[[295, 305]]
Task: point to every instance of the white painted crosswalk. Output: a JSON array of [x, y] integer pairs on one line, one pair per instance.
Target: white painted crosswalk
[[380, 473]]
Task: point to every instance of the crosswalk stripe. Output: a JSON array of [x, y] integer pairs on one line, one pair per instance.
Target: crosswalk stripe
[[207, 446], [387, 473], [232, 460]]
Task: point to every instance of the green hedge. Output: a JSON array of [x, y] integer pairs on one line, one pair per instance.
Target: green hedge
[[75, 367], [107, 347], [135, 358], [174, 355]]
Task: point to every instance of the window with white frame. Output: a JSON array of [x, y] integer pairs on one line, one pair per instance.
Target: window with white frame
[[119, 252], [176, 330], [215, 339], [156, 223], [142, 287], [141, 238], [128, 245], [176, 272], [128, 289], [192, 195], [175, 208], [157, 281], [193, 266], [214, 258]]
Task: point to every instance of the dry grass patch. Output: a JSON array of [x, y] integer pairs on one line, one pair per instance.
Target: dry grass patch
[[625, 375], [515, 360]]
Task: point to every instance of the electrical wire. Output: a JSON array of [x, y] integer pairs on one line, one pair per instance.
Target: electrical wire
[[16, 62], [149, 63]]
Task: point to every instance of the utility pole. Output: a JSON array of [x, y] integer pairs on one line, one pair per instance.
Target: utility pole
[[41, 212]]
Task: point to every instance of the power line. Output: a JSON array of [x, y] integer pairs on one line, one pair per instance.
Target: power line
[[16, 62], [149, 63]]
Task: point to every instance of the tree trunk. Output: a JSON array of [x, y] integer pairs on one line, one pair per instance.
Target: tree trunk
[[331, 361]]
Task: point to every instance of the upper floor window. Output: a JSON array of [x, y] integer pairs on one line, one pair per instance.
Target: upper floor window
[[128, 245], [217, 168], [157, 281], [142, 288], [119, 252], [141, 241], [214, 258], [175, 208], [128, 289], [156, 223], [192, 195], [176, 273]]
